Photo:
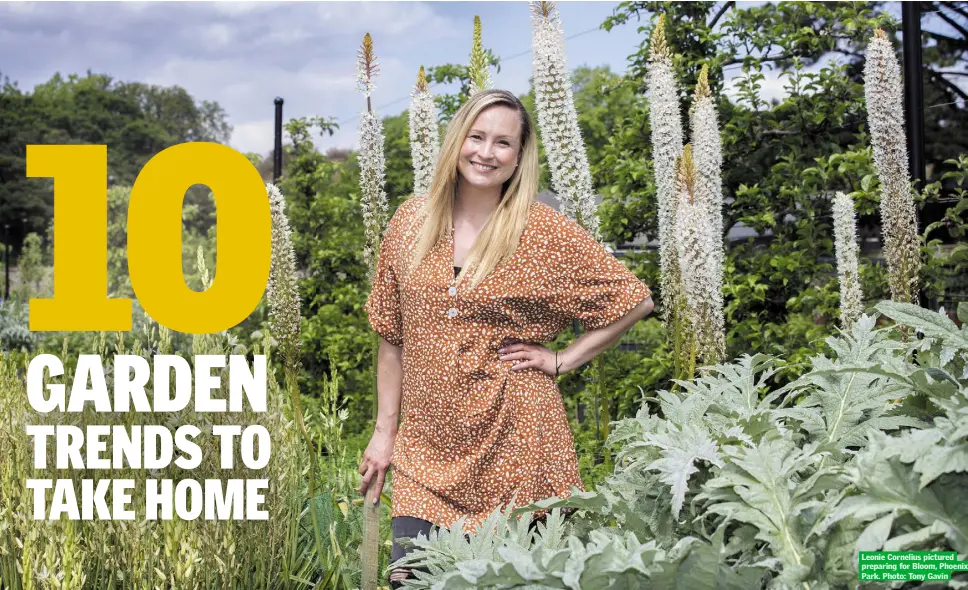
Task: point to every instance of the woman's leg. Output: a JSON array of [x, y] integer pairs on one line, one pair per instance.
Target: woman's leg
[[405, 527]]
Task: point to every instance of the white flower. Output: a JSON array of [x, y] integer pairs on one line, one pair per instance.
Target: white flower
[[367, 67], [282, 290], [424, 135], [845, 243], [558, 119], [707, 155], [373, 197], [696, 252], [666, 122], [885, 112]]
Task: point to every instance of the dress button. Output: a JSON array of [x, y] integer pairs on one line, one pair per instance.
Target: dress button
[[452, 312], [452, 291]]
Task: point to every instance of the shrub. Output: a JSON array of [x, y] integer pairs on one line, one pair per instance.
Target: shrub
[[735, 482]]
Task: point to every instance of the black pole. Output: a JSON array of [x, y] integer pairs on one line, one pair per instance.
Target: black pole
[[914, 89], [6, 261], [277, 150]]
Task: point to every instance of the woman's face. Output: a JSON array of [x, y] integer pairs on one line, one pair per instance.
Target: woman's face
[[490, 151]]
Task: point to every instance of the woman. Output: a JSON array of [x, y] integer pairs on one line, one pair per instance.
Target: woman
[[471, 279]]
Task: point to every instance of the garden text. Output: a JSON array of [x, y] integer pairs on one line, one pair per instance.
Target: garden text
[[150, 447]]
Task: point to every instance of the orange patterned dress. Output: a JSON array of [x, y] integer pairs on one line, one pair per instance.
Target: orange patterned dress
[[475, 435]]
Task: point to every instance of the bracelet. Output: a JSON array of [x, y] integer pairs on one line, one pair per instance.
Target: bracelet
[[557, 365]]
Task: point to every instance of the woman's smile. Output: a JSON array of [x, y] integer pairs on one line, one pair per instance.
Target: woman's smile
[[483, 167]]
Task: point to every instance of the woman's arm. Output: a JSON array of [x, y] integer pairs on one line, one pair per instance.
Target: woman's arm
[[378, 454], [594, 342], [389, 383]]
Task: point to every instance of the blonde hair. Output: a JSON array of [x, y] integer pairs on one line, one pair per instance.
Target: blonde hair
[[501, 233]]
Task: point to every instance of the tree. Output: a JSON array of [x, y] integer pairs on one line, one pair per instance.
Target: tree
[[782, 160], [944, 39], [399, 172], [459, 74], [135, 121], [328, 239]]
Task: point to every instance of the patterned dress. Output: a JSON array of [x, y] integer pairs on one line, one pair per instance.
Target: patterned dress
[[475, 435]]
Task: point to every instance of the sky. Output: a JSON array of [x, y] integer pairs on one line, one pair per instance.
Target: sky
[[244, 54]]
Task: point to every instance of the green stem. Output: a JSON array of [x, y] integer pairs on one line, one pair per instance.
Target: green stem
[[692, 359], [604, 401], [292, 385], [371, 510]]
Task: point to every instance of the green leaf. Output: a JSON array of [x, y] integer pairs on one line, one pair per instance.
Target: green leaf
[[680, 451], [931, 324], [876, 533]]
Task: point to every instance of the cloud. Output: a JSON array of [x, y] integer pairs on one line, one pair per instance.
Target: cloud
[[244, 54], [253, 134]]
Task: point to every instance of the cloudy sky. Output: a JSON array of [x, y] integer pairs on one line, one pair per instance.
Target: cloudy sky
[[244, 54]]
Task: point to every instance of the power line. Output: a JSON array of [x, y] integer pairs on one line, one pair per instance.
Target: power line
[[435, 84], [568, 38]]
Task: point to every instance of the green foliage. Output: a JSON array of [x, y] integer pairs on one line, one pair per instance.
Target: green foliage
[[746, 480], [307, 541], [945, 249], [31, 268], [399, 162], [856, 404], [177, 553], [461, 76], [15, 331], [338, 527], [324, 213], [783, 159], [759, 470], [602, 99], [119, 283], [135, 120]]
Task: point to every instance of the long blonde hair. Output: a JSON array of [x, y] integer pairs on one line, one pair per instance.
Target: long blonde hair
[[501, 233]]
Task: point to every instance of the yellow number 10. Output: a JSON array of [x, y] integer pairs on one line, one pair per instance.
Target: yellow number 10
[[243, 239]]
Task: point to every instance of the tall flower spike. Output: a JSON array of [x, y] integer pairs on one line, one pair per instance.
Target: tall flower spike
[[479, 70], [282, 290], [845, 243], [558, 119], [885, 113], [666, 122], [373, 196], [424, 135], [367, 67], [696, 255], [708, 159]]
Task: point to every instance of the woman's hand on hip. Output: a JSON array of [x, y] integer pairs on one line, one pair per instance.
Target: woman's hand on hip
[[527, 355], [376, 461]]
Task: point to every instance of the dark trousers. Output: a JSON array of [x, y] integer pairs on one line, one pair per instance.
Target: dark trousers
[[406, 527]]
